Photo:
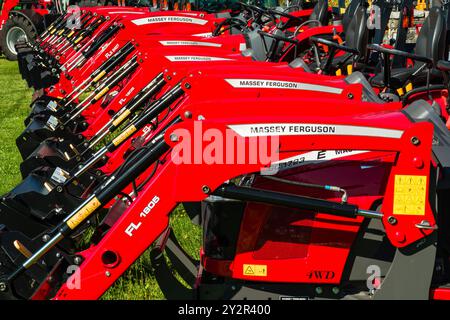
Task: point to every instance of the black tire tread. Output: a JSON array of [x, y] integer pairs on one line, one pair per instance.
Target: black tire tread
[[25, 24]]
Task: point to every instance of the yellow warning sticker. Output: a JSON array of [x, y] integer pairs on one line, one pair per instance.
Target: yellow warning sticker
[[121, 117], [349, 69], [124, 135], [99, 76], [409, 87], [101, 93], [409, 195], [255, 270], [83, 213]]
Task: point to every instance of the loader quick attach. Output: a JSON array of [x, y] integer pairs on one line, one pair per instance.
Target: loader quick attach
[[302, 180]]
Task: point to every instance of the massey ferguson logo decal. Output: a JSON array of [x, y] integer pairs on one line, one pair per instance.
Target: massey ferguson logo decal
[[292, 129], [275, 84], [169, 19], [195, 58], [190, 43], [300, 129]]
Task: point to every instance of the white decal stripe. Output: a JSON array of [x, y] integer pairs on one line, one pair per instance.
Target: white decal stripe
[[169, 19], [206, 35], [286, 129], [190, 14], [314, 156], [311, 158], [125, 12], [189, 43], [266, 83], [196, 58]]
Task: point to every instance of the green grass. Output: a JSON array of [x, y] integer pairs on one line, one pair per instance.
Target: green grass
[[15, 97]]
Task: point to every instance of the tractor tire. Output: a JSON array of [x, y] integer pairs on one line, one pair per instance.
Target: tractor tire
[[15, 29]]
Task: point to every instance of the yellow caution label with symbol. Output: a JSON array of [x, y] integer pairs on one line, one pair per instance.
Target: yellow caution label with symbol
[[255, 270], [410, 195]]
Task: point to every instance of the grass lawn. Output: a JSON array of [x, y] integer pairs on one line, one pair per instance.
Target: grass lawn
[[139, 281], [15, 99]]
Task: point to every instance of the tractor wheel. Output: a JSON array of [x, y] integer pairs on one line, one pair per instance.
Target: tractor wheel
[[15, 29]]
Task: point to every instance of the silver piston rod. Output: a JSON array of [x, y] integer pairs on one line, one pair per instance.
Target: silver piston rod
[[84, 104], [137, 124], [128, 109], [108, 85], [102, 38], [107, 66], [102, 85], [77, 54], [101, 195]]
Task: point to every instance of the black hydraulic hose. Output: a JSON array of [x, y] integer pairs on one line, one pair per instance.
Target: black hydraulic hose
[[111, 63], [104, 89], [99, 88], [102, 39], [89, 31], [70, 32], [113, 82], [134, 126], [64, 30], [58, 24], [102, 195], [138, 101], [282, 199], [159, 106], [135, 154], [54, 25], [116, 183], [100, 72], [91, 25], [94, 23], [85, 20], [108, 191]]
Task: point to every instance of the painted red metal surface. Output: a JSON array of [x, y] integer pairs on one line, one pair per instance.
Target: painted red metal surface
[[96, 277]]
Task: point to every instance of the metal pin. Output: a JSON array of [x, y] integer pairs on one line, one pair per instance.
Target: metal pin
[[22, 249]]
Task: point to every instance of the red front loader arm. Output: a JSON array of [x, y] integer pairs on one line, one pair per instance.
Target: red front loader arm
[[146, 24], [246, 81], [148, 215]]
